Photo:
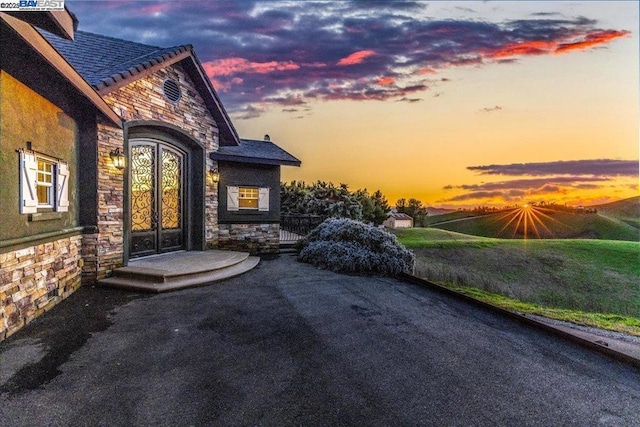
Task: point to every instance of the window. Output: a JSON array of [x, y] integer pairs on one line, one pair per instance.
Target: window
[[44, 183], [247, 198]]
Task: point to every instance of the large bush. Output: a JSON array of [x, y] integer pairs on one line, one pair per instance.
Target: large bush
[[348, 246]]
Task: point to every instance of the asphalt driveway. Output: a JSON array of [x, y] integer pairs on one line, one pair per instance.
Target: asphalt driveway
[[288, 344]]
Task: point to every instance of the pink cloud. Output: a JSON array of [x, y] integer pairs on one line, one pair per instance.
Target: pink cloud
[[386, 81], [230, 66], [356, 57]]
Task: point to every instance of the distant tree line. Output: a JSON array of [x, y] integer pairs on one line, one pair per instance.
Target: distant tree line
[[333, 201]]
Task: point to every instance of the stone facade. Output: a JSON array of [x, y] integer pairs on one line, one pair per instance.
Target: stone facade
[[253, 238], [34, 279], [105, 248], [143, 99]]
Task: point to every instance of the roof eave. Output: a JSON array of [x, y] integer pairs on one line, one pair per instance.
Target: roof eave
[[58, 22], [34, 39], [227, 132], [253, 160]]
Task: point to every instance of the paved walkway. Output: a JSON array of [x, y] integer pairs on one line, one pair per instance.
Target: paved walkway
[[288, 344]]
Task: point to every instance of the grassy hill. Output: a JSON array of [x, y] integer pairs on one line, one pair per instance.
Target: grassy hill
[[533, 223], [592, 276], [450, 216], [626, 211]]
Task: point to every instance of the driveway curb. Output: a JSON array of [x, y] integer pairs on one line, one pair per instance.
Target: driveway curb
[[523, 318]]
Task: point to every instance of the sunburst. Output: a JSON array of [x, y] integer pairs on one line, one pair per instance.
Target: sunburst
[[529, 220]]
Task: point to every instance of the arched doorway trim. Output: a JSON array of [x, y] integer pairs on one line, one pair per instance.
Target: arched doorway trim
[[170, 139]]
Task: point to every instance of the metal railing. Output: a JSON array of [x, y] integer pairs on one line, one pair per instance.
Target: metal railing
[[294, 227]]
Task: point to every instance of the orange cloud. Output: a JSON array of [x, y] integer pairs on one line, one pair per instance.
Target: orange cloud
[[230, 66], [592, 40], [386, 81], [540, 47], [426, 70], [535, 47], [356, 57]]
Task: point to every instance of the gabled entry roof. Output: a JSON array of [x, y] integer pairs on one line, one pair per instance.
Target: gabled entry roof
[[108, 63], [252, 151]]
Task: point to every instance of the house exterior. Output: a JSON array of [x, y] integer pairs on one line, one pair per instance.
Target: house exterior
[[398, 220], [111, 150], [249, 195]]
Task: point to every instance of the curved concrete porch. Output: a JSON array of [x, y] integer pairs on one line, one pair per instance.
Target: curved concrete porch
[[178, 270]]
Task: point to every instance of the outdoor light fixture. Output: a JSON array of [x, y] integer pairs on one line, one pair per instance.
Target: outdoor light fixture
[[118, 158], [215, 175]]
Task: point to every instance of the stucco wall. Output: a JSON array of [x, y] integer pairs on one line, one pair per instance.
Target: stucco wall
[[25, 116]]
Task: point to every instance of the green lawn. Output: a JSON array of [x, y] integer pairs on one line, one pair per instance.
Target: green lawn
[[578, 276]]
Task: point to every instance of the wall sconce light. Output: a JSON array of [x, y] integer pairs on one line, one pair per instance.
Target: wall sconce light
[[215, 175], [118, 158]]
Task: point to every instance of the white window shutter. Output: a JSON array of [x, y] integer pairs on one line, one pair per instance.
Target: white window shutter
[[62, 188], [263, 199], [28, 183], [232, 198]]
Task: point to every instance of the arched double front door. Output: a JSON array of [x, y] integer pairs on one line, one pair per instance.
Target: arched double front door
[[158, 197]]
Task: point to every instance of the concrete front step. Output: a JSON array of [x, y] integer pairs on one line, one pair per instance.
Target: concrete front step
[[174, 271]]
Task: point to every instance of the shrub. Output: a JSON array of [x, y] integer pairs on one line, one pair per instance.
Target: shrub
[[348, 246]]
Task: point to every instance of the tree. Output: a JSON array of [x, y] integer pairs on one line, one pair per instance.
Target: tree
[[414, 209], [328, 200]]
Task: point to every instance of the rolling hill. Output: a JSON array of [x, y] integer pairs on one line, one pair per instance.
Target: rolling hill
[[615, 221], [627, 211]]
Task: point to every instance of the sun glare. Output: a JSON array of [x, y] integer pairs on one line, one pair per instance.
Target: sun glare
[[528, 221]]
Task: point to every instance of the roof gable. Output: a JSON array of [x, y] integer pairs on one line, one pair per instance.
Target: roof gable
[[108, 63]]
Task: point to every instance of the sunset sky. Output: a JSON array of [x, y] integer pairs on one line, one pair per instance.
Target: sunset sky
[[457, 104]]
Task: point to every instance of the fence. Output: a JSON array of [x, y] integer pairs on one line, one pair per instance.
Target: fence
[[293, 227]]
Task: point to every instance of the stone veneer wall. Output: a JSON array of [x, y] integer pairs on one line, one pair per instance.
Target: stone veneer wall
[[34, 279], [253, 238], [143, 99], [104, 250]]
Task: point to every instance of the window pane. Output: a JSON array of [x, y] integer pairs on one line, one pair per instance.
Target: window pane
[[248, 198], [45, 172], [44, 183], [248, 203], [44, 194]]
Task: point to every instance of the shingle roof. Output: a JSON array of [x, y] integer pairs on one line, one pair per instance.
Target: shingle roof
[[103, 60], [252, 151], [396, 215]]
